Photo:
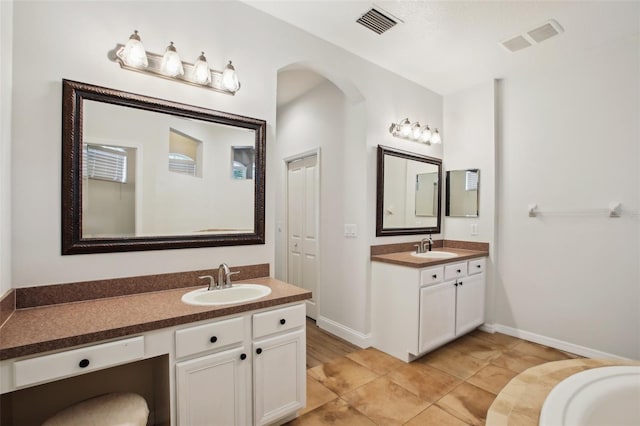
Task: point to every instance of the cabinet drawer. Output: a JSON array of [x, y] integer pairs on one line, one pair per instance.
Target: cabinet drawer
[[209, 337], [431, 276], [83, 360], [476, 266], [279, 320], [455, 270]]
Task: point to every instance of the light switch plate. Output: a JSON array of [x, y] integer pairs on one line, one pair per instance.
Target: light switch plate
[[350, 230], [474, 229]]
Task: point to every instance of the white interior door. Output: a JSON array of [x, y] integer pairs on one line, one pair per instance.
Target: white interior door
[[302, 229]]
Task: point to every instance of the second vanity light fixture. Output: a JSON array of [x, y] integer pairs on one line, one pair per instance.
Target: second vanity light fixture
[[414, 131], [133, 56]]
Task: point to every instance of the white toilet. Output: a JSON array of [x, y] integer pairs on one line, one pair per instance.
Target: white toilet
[[122, 409]]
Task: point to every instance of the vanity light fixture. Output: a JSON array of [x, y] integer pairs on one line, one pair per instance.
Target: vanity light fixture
[[133, 57], [171, 62], [415, 132]]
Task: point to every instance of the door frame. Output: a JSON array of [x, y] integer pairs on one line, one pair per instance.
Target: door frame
[[299, 156]]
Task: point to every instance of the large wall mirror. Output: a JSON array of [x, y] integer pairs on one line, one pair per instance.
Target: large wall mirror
[[462, 193], [408, 196], [140, 173]]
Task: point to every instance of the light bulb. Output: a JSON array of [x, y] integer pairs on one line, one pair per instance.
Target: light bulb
[[416, 131], [230, 78], [435, 137], [133, 53], [201, 70], [426, 134], [405, 128], [171, 63]]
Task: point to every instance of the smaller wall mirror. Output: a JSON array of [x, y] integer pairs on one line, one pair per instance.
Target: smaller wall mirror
[[408, 196], [463, 187]]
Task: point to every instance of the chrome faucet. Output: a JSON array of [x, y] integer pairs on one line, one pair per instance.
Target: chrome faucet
[[224, 276], [428, 240]]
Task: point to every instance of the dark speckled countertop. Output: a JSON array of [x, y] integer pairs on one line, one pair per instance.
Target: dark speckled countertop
[[406, 259], [39, 329]]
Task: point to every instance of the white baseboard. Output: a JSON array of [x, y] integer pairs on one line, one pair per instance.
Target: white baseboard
[[550, 341], [346, 333]]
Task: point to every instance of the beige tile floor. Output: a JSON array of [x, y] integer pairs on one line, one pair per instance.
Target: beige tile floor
[[454, 385]]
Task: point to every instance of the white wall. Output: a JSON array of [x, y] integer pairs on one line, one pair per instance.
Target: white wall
[[469, 118], [569, 137], [259, 46], [6, 49]]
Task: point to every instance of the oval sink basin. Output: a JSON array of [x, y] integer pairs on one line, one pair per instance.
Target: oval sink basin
[[238, 293], [434, 255]]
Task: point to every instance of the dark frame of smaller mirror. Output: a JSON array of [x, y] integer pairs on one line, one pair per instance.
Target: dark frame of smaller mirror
[[448, 196], [73, 95], [381, 231]]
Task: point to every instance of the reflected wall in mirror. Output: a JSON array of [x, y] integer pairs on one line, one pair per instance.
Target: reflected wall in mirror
[[463, 188], [141, 173], [408, 193]]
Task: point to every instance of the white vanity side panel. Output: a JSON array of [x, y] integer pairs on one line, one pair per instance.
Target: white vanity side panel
[[63, 364], [395, 309]]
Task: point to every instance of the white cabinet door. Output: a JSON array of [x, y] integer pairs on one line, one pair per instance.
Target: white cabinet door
[[279, 376], [470, 303], [437, 315], [213, 390]]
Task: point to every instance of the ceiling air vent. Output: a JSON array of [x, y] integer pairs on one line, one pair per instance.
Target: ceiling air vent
[[377, 21], [534, 36]]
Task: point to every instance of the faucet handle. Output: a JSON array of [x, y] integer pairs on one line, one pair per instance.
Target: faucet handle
[[212, 281], [228, 281], [418, 248]]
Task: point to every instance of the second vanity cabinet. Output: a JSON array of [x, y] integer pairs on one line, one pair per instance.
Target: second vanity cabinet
[[248, 370], [416, 310]]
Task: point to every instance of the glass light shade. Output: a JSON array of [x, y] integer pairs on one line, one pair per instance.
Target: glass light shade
[[426, 134], [393, 129], [133, 53], [435, 137], [201, 70], [416, 130], [230, 78], [405, 128], [171, 63]]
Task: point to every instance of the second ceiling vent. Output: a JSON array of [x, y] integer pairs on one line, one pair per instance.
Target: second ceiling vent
[[377, 20], [536, 35]]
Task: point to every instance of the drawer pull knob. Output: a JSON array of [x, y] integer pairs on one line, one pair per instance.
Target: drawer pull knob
[[83, 363], [434, 276], [458, 270], [283, 321], [243, 356], [478, 266], [213, 339], [259, 351]]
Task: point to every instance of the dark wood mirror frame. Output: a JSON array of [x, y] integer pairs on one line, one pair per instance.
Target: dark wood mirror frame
[[380, 230], [73, 95]]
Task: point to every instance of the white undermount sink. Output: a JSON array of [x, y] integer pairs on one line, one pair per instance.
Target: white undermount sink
[[238, 293], [434, 255]]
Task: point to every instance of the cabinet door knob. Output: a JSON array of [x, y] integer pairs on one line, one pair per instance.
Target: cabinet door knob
[[259, 351], [456, 284], [434, 276], [283, 321], [459, 270], [83, 363], [478, 266], [213, 339], [460, 282], [243, 356]]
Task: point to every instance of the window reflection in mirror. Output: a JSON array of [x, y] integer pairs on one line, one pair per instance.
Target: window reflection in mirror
[[243, 162], [408, 193], [462, 193]]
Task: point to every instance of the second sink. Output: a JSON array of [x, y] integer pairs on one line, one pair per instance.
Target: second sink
[[237, 294], [435, 255]]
